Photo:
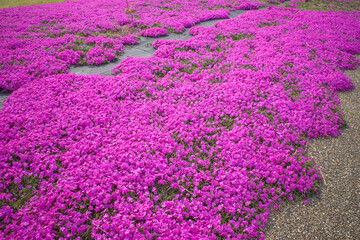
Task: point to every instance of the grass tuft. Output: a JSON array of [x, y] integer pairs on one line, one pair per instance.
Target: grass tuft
[[19, 3]]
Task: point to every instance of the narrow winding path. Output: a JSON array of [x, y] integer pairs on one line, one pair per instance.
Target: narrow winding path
[[143, 49]]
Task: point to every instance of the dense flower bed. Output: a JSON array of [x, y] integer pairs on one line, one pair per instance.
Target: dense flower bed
[[196, 142], [37, 41], [154, 32]]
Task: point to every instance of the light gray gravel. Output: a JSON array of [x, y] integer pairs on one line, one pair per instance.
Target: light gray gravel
[[3, 96], [335, 213]]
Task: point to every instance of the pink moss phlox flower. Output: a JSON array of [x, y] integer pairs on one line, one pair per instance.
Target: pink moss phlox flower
[[154, 32]]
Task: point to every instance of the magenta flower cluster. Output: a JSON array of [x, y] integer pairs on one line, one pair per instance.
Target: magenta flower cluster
[[154, 32], [38, 41], [197, 142]]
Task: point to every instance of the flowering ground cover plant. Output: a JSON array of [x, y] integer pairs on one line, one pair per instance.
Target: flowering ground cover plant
[[154, 32], [197, 142], [37, 41]]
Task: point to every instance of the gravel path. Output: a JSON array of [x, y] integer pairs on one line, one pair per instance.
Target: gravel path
[[144, 49], [3, 96], [335, 213]]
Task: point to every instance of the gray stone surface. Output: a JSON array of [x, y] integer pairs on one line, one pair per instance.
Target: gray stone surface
[[3, 96]]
